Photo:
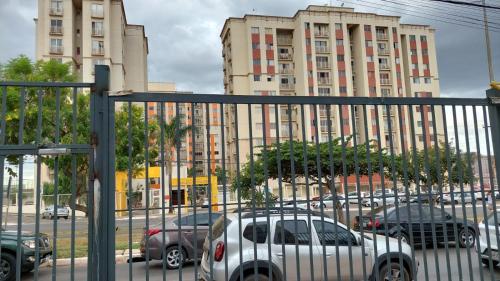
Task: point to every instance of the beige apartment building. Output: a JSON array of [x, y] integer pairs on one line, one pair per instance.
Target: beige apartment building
[[327, 51], [93, 32]]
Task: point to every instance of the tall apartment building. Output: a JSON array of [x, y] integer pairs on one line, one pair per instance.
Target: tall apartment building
[[327, 51], [87, 33]]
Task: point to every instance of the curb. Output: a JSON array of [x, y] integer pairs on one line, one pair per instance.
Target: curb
[[121, 257]]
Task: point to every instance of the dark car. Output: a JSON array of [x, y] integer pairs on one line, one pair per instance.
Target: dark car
[[28, 246], [420, 216], [189, 240]]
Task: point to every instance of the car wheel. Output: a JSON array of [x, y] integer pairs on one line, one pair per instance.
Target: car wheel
[[51, 217], [343, 205], [403, 237], [258, 277], [375, 204], [7, 267], [173, 258], [456, 202], [486, 262], [467, 237], [66, 217], [393, 272]]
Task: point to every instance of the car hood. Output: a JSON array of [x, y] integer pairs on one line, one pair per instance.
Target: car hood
[[9, 234], [382, 244]]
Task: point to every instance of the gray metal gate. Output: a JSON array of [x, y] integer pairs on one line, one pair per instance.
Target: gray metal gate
[[219, 187]]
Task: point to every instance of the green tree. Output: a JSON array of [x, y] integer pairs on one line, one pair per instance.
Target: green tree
[[22, 69], [174, 133]]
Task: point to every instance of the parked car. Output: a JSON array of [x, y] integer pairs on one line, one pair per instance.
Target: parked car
[[457, 198], [379, 198], [423, 198], [328, 201], [299, 204], [295, 234], [28, 243], [482, 247], [420, 215], [62, 212], [188, 239]]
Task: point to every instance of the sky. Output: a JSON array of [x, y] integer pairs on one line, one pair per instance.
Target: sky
[[185, 47]]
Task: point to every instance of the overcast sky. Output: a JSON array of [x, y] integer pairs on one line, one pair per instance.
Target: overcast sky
[[185, 47]]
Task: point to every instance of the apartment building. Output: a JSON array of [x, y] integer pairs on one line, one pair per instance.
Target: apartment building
[[200, 150], [327, 51], [88, 33]]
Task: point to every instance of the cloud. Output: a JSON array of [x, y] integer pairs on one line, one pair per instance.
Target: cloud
[[185, 46]]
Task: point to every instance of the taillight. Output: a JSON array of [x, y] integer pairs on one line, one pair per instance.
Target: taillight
[[153, 231], [219, 251], [375, 224]]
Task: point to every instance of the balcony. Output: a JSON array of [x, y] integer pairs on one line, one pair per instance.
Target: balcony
[[322, 49], [324, 81], [56, 50], [284, 40], [383, 52], [321, 33], [382, 36], [98, 51], [56, 30], [286, 71], [322, 65], [383, 66], [98, 32], [285, 56], [97, 14], [287, 86], [385, 81], [56, 11]]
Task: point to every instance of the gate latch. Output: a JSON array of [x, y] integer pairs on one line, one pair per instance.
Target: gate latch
[[54, 151]]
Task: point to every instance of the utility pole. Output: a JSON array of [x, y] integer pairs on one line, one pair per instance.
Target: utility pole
[[488, 47]]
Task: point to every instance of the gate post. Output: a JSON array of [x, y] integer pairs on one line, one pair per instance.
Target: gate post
[[494, 114], [102, 140]]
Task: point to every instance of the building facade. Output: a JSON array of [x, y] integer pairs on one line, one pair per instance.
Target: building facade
[[87, 33], [328, 51]]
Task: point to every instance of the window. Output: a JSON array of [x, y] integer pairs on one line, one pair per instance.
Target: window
[[56, 26], [394, 30], [382, 46], [341, 73], [256, 78], [371, 74], [420, 138], [56, 45], [369, 58], [412, 38], [255, 46], [426, 66], [330, 234], [396, 45], [270, 62], [256, 61], [269, 46], [385, 92], [419, 124], [369, 43], [307, 25], [291, 234], [414, 66], [97, 28], [97, 47], [416, 80], [427, 80], [372, 90], [400, 91], [255, 30], [56, 7], [269, 30], [340, 57], [425, 52], [423, 38], [270, 78], [97, 10], [340, 42], [368, 28], [338, 26], [323, 91], [398, 61], [413, 52], [343, 89]]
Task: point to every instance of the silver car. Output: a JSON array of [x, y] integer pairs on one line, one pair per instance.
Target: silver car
[[457, 198], [294, 236], [492, 231], [49, 212]]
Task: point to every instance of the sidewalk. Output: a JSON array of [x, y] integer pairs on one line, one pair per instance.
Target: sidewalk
[[122, 256]]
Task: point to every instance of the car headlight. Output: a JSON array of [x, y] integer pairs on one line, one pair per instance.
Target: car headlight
[[29, 243]]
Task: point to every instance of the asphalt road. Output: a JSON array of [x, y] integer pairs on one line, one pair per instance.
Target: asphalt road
[[458, 271]]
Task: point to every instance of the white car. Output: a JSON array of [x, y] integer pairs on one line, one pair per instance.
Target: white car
[[49, 212], [457, 198], [328, 201], [482, 247], [379, 199], [257, 261]]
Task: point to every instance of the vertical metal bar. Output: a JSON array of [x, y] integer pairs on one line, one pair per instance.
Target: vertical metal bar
[[38, 185], [346, 188], [461, 182], [320, 187], [238, 177], [481, 183], [129, 184], [109, 194], [146, 172], [494, 114], [224, 186], [451, 183], [266, 190], [306, 176], [294, 192], [73, 182], [333, 189], [358, 186], [209, 190], [161, 122], [3, 120], [417, 183], [20, 186], [280, 181], [440, 187], [469, 174], [56, 185], [252, 186], [179, 191], [2, 162], [195, 192], [429, 190]]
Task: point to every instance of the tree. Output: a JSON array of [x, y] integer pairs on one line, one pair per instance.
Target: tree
[[22, 69], [308, 165], [175, 132]]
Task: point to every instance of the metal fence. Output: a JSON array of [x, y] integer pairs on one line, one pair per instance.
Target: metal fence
[[217, 187]]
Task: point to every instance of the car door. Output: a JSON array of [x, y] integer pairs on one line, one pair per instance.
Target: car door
[[493, 229], [295, 237], [332, 237]]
